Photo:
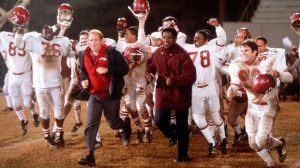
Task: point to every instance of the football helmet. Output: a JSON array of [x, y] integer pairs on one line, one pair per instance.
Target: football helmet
[[263, 83], [133, 55], [241, 95], [141, 6], [169, 21], [170, 18], [244, 32], [122, 24], [295, 22], [20, 17], [65, 14]]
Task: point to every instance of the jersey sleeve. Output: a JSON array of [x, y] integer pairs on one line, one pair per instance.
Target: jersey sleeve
[[110, 42], [221, 36], [66, 47], [234, 77]]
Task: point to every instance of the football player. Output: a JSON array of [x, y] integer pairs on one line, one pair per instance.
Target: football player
[[262, 107], [238, 105], [205, 92], [47, 51], [135, 84], [20, 74]]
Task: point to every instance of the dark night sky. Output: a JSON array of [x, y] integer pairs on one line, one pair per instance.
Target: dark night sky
[[191, 14]]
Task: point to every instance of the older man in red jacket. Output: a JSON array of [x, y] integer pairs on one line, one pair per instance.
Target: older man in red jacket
[[176, 74]]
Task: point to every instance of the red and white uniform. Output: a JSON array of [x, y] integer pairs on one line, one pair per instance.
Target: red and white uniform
[[20, 75], [279, 58], [135, 81], [205, 89], [261, 107], [46, 65]]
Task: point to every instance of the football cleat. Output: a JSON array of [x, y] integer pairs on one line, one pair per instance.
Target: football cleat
[[126, 131], [60, 139], [281, 150], [238, 137], [211, 151], [76, 126], [224, 146], [51, 142], [24, 126], [139, 136], [148, 136], [36, 121]]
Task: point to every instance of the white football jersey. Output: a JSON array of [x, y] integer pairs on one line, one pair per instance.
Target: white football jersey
[[46, 58], [17, 60], [280, 61], [241, 74], [206, 61], [231, 52]]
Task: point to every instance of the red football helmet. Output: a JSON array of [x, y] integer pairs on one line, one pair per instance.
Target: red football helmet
[[263, 83], [245, 32], [20, 16], [167, 22], [122, 23], [132, 55], [295, 21], [65, 14], [241, 95], [141, 6]]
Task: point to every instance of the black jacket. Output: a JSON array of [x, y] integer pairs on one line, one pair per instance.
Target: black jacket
[[117, 68]]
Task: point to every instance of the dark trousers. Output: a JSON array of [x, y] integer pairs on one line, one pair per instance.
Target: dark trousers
[[96, 105], [180, 131]]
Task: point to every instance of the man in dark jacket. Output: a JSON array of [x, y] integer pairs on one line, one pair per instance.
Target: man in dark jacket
[[176, 74], [102, 74]]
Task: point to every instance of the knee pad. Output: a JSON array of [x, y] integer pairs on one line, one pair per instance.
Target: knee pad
[[215, 117], [200, 121], [59, 116], [252, 142], [140, 95], [141, 108], [44, 112], [261, 141]]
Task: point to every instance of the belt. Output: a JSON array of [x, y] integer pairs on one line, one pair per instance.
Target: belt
[[260, 103], [202, 86], [18, 73]]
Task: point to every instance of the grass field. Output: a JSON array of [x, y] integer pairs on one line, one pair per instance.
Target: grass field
[[31, 150]]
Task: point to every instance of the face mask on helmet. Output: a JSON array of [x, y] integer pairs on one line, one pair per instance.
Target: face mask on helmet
[[121, 24], [140, 6], [295, 23], [167, 22], [244, 32], [65, 15], [20, 17]]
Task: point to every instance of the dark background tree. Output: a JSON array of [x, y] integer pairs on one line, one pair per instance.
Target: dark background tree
[[103, 14]]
